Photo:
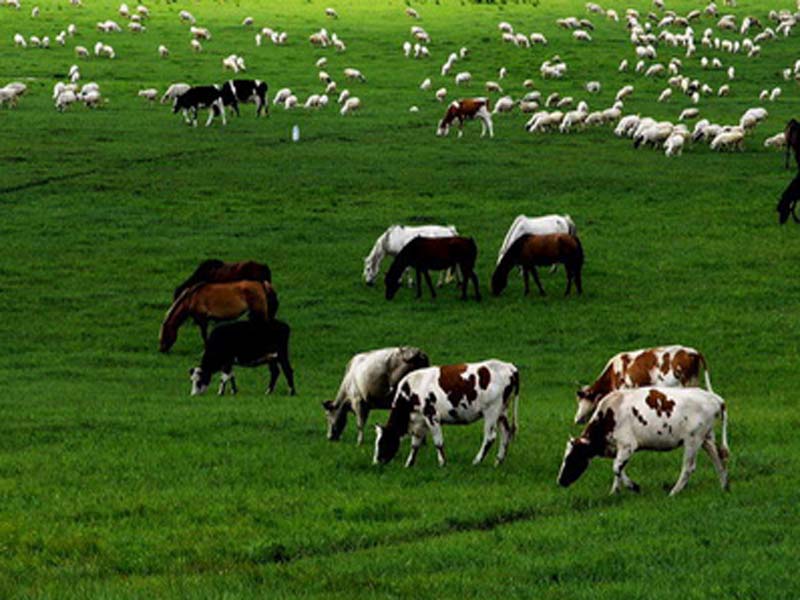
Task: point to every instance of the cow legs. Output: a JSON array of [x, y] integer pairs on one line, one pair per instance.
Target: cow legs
[[361, 420], [689, 465], [224, 378], [474, 277], [536, 280], [416, 442], [273, 376], [711, 449], [506, 435], [429, 282], [288, 372], [489, 435], [624, 454], [438, 441]]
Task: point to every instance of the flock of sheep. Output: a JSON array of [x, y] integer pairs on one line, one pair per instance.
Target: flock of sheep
[[652, 36]]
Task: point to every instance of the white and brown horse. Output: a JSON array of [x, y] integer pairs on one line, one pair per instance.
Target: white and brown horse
[[467, 110]]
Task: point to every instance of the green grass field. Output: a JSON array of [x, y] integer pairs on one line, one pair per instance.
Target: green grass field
[[115, 483]]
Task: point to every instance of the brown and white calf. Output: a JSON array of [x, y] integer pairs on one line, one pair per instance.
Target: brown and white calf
[[650, 418], [668, 366], [467, 110], [370, 382], [452, 394]]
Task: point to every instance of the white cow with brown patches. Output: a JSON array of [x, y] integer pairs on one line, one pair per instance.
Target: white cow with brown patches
[[467, 110], [454, 394], [650, 418], [666, 366]]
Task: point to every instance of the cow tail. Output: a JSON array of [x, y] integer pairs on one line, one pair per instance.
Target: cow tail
[[515, 417], [706, 372], [724, 450], [272, 300]]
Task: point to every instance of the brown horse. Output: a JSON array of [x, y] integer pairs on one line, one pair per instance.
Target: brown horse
[[788, 202], [437, 254], [792, 134], [217, 271], [531, 251], [205, 302]]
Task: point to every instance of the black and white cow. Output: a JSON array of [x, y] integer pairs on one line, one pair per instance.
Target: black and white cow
[[195, 98], [245, 343], [650, 418], [244, 91], [453, 394], [370, 382]]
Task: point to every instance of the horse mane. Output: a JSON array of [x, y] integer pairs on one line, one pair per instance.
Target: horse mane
[[183, 296], [378, 246]]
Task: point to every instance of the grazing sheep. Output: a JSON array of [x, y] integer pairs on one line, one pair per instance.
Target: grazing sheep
[[65, 99], [149, 94], [186, 16], [281, 95], [626, 126], [163, 51], [572, 119], [774, 94], [776, 141], [673, 146], [724, 90], [688, 113], [19, 41], [493, 86], [136, 27], [329, 12], [503, 105], [624, 92], [528, 84], [247, 22], [593, 87], [196, 46], [412, 13], [290, 102], [665, 95], [728, 140], [426, 84], [174, 91], [351, 105], [538, 39], [581, 35], [623, 65], [463, 78], [351, 73], [441, 94]]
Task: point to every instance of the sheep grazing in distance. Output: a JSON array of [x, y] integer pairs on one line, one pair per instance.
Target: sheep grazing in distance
[[624, 92], [776, 141], [185, 16], [350, 106], [623, 65], [774, 94], [200, 33], [174, 91], [412, 13], [688, 113], [34, 12], [426, 84], [290, 102], [163, 51], [281, 95], [493, 86], [441, 94], [673, 146], [502, 73], [19, 41], [247, 22], [329, 12], [351, 73], [665, 95], [581, 36], [463, 78], [150, 94], [593, 87], [136, 27], [65, 99], [196, 46], [343, 97], [528, 84], [504, 105], [724, 90], [413, 109], [407, 48], [728, 140], [538, 39]]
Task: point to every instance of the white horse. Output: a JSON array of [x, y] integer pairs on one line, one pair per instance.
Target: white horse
[[546, 225], [394, 239]]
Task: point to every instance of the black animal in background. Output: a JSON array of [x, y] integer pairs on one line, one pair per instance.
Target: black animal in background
[[792, 134], [214, 270], [245, 343], [788, 202]]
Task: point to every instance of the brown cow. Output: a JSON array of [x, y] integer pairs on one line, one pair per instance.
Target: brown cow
[[467, 110], [670, 366]]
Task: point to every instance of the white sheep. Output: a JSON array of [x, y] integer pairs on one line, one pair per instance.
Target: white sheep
[[728, 140], [350, 73], [72, 30], [163, 51], [724, 90], [774, 94], [572, 119], [247, 22], [441, 94], [493, 86], [426, 84], [407, 49], [174, 91], [136, 27], [665, 95], [463, 78], [196, 46], [290, 102], [20, 41], [186, 16], [351, 105], [538, 38], [343, 97], [581, 36], [503, 105], [281, 95], [688, 113], [149, 94], [624, 92], [330, 12], [623, 65], [64, 100], [776, 141], [593, 87]]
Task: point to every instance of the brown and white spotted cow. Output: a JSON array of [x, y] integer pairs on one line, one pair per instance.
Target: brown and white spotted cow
[[650, 418], [667, 366], [454, 394], [467, 110]]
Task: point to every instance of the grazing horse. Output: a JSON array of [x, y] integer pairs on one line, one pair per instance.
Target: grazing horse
[[219, 302], [537, 226], [467, 110], [394, 239], [792, 135], [531, 251], [788, 202], [214, 270], [424, 254]]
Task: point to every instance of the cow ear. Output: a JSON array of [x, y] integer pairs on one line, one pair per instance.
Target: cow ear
[[327, 405]]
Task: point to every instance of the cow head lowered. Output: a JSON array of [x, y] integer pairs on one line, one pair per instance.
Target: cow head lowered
[[576, 461]]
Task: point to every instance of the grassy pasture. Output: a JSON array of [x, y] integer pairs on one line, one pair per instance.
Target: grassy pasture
[[114, 483]]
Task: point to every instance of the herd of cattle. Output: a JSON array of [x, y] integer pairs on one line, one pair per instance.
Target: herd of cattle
[[643, 400]]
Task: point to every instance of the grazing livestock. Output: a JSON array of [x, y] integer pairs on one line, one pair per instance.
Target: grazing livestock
[[173, 91], [350, 105], [536, 225], [245, 91], [394, 239], [792, 135], [370, 382], [454, 394], [214, 270], [245, 343], [205, 302], [788, 202], [531, 251], [650, 418], [425, 254], [206, 96], [466, 110], [666, 366]]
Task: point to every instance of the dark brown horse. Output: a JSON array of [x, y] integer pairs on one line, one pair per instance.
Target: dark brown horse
[[792, 135], [206, 302], [531, 251], [217, 271], [434, 254], [788, 202]]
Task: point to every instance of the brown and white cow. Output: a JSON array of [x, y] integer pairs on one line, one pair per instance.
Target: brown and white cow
[[650, 418], [467, 110], [370, 382], [452, 394], [668, 366]]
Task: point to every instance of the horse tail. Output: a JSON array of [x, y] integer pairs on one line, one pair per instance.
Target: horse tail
[[578, 251], [271, 297], [724, 450]]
